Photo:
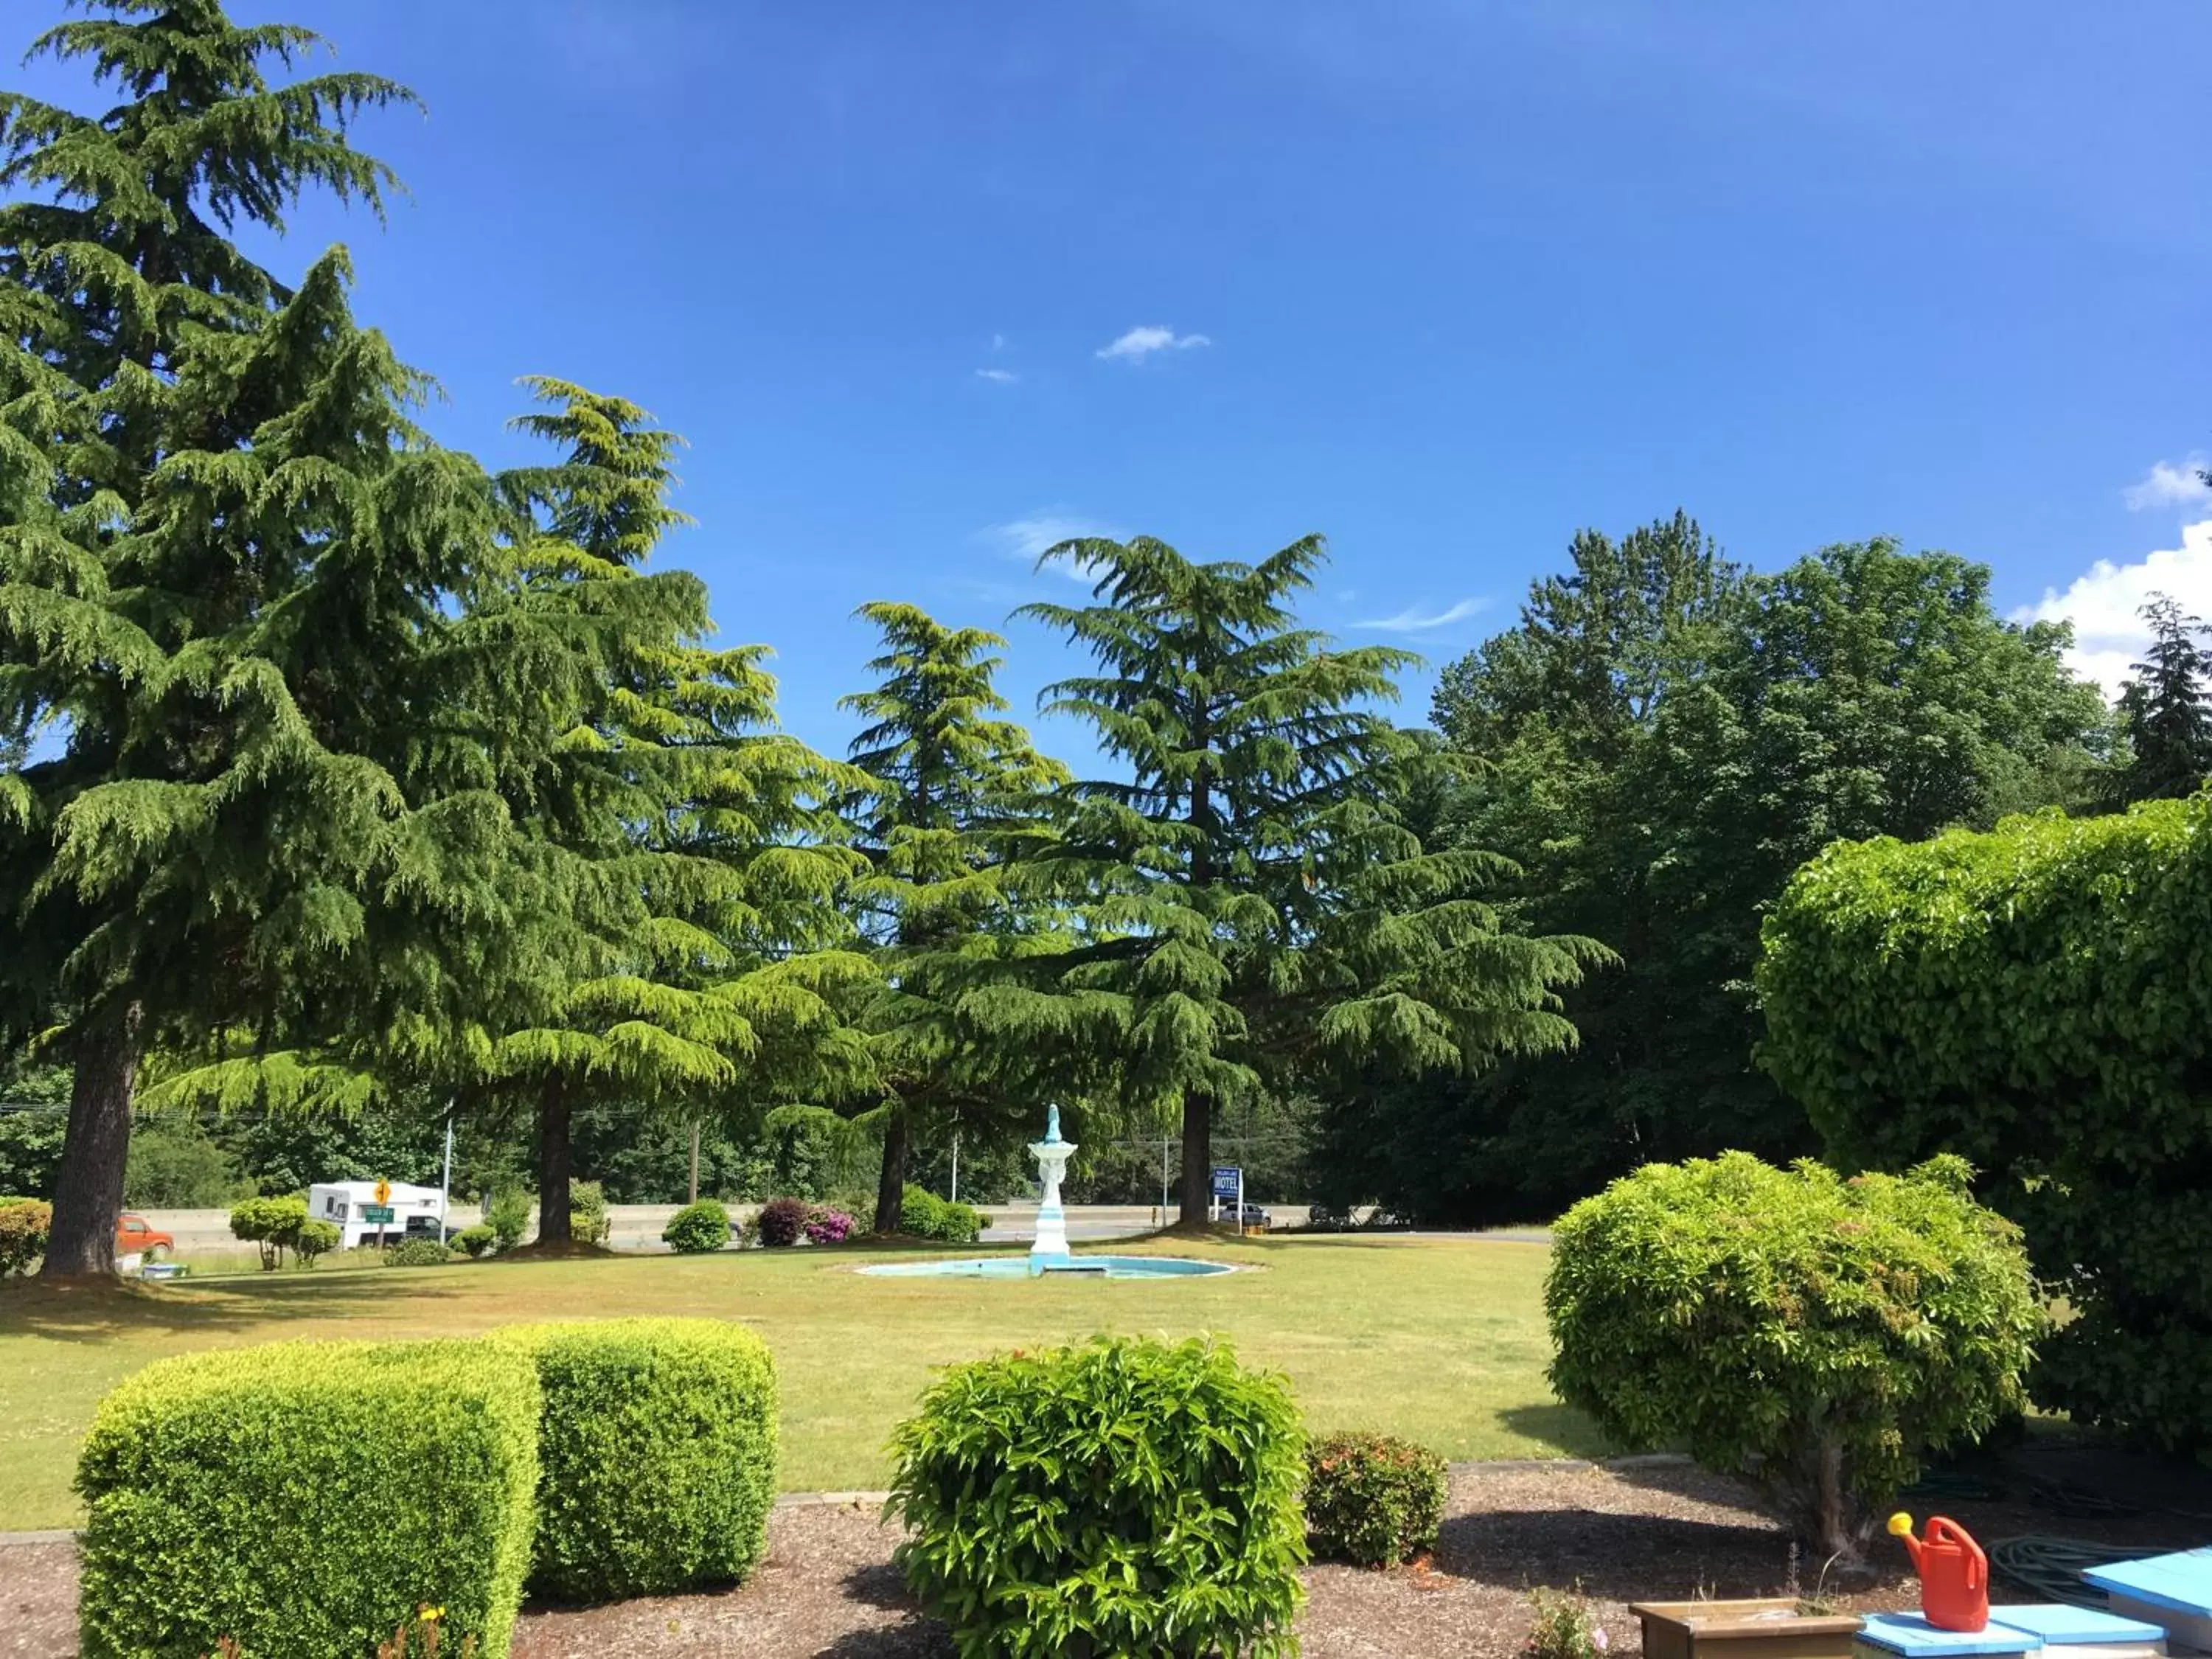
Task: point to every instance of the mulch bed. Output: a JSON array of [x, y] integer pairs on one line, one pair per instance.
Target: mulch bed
[[1620, 1533]]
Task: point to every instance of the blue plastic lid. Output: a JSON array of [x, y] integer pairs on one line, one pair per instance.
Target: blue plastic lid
[[2059, 1625], [1909, 1633], [2182, 1580]]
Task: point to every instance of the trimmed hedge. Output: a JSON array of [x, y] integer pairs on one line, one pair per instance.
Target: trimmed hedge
[[305, 1497], [24, 1225], [1127, 1497], [2038, 999], [1373, 1499], [697, 1228], [923, 1214], [657, 1454]]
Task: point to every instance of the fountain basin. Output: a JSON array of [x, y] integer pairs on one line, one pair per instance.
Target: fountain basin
[[1078, 1266]]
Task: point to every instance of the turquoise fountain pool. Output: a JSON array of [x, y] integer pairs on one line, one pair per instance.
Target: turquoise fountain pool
[[1074, 1267]]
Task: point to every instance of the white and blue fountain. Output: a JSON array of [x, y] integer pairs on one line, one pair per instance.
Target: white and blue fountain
[[1049, 1255]]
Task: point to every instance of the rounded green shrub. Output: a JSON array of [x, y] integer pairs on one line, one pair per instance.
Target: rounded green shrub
[[588, 1220], [507, 1214], [657, 1452], [303, 1499], [270, 1223], [698, 1227], [1818, 1336], [314, 1239], [923, 1214], [24, 1225], [1372, 1499], [473, 1242], [1125, 1496], [417, 1253]]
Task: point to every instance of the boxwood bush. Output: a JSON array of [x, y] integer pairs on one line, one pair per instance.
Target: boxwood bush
[[1125, 1497], [657, 1454], [305, 1498], [1820, 1336], [698, 1227], [1372, 1499]]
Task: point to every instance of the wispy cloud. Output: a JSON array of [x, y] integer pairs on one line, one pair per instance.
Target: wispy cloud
[[1141, 341], [1028, 537], [2103, 602], [998, 343], [1419, 618], [1001, 376], [2168, 484]]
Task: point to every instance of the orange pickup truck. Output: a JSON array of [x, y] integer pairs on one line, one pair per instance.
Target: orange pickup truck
[[134, 1237]]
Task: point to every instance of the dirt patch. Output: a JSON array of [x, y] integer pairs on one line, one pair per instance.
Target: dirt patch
[[828, 1587]]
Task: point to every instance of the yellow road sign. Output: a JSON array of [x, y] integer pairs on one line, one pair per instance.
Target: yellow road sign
[[383, 1191]]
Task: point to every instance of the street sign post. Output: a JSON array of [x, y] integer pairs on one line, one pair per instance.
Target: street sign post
[[377, 1212], [380, 1212]]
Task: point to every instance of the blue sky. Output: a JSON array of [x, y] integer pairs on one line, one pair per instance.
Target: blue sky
[[1443, 282]]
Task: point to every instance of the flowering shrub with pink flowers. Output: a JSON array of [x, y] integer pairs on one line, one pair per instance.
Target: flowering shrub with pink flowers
[[826, 1225]]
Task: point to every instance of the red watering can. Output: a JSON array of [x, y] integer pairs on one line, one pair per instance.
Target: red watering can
[[1955, 1574]]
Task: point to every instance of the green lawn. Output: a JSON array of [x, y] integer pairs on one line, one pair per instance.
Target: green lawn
[[1443, 1342]]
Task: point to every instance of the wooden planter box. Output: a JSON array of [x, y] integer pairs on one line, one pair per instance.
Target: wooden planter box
[[1772, 1628]]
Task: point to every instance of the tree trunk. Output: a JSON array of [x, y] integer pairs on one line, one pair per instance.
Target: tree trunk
[[553, 1165], [891, 1184], [88, 1186], [1197, 1157]]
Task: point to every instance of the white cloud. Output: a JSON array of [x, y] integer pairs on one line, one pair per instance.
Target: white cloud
[[1027, 538], [1002, 376], [1418, 619], [1142, 341], [2102, 603], [998, 343], [2170, 485]]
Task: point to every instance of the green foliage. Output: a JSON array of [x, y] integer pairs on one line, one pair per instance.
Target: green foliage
[[474, 1242], [314, 1239], [1562, 1626], [417, 1253], [31, 1149], [588, 1221], [23, 1225], [1123, 1497], [657, 1454], [175, 1165], [2036, 999], [923, 1214], [271, 1223], [1372, 1499], [779, 1222], [507, 1215], [1820, 1336], [2164, 710], [305, 1498], [697, 1228], [1658, 743], [1255, 898]]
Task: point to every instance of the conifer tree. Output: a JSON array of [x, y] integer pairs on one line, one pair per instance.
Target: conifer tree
[[2164, 709], [1255, 902], [224, 542], [955, 794]]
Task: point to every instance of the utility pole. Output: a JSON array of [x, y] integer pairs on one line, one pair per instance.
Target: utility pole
[[445, 1180], [694, 1199], [1164, 1181]]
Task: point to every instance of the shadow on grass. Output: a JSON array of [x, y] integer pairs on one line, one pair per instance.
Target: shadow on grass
[[1562, 1428], [101, 1311]]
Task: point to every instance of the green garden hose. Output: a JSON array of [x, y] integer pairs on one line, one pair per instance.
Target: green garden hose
[[2052, 1567]]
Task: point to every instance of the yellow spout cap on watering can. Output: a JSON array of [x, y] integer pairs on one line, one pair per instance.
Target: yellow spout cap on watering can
[[1901, 1525]]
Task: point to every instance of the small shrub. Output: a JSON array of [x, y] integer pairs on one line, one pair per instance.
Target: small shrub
[[1125, 1496], [588, 1221], [474, 1241], [780, 1222], [656, 1452], [1563, 1628], [1820, 1336], [923, 1214], [827, 1225], [1372, 1499], [507, 1215], [305, 1498], [314, 1239], [24, 1225], [697, 1228], [270, 1222], [417, 1253]]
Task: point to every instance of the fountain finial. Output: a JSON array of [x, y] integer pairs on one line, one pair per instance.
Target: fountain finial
[[1051, 1124]]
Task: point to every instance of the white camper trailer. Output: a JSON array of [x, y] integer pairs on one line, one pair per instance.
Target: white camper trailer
[[351, 1207]]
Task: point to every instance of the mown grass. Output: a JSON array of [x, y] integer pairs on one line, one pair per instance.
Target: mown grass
[[1441, 1340]]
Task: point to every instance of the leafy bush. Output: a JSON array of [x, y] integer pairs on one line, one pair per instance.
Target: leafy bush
[[172, 1164], [474, 1241], [1125, 1496], [697, 1228], [1818, 1336], [923, 1214], [305, 1498], [827, 1225], [780, 1222], [417, 1253], [1372, 1499], [1563, 1627], [507, 1214], [270, 1223], [588, 1221], [24, 1224], [657, 1454], [2036, 1000], [314, 1238]]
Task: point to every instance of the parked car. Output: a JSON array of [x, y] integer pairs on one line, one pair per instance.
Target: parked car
[[1254, 1215], [134, 1236], [425, 1226]]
